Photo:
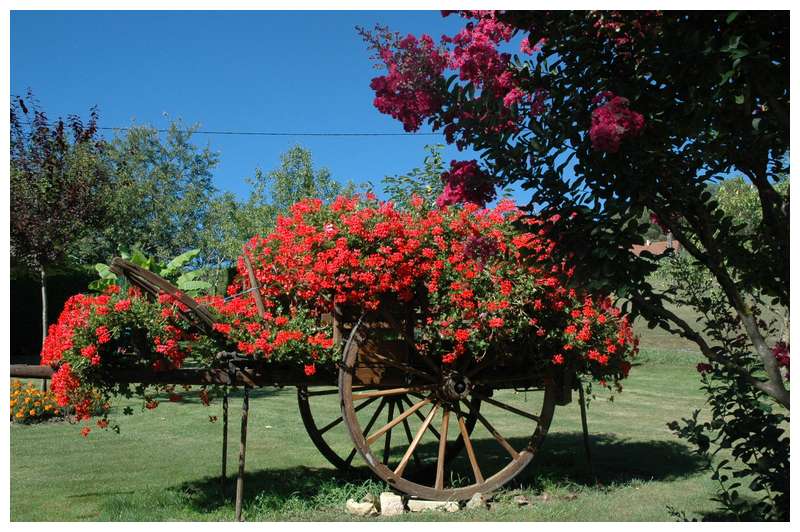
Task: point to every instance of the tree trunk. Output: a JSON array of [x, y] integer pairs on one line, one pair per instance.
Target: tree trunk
[[43, 278]]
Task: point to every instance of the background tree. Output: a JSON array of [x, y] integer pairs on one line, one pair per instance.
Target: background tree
[[230, 222], [58, 187], [605, 116], [425, 182], [163, 190]]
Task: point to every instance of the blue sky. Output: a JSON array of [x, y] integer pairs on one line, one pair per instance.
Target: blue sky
[[236, 71]]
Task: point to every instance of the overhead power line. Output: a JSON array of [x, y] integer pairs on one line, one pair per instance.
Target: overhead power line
[[272, 133], [282, 133]]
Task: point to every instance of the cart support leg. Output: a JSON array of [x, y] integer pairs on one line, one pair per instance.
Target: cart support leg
[[585, 426], [242, 448], [224, 476]]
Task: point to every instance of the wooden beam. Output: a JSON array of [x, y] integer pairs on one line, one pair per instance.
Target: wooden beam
[[242, 450], [224, 476], [254, 285]]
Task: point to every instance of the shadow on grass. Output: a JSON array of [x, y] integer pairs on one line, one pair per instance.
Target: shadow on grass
[[561, 460]]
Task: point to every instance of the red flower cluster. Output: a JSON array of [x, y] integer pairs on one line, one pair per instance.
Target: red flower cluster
[[475, 271], [613, 122], [93, 330], [465, 183], [477, 280]]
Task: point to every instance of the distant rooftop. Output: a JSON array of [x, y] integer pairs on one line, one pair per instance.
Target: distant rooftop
[[656, 248]]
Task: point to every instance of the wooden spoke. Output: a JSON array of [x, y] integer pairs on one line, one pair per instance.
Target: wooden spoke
[[349, 459], [470, 451], [404, 462], [442, 446], [387, 444], [497, 436], [377, 434], [334, 391], [332, 424], [312, 393], [507, 407], [419, 415], [339, 419], [371, 422], [386, 392], [407, 429]]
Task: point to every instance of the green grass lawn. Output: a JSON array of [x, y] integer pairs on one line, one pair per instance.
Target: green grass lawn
[[165, 464]]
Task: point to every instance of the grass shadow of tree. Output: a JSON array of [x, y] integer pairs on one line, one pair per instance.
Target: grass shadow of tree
[[561, 461]]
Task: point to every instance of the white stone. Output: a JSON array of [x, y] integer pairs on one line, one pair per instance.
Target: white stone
[[521, 500], [360, 508], [391, 504], [477, 501], [416, 505]]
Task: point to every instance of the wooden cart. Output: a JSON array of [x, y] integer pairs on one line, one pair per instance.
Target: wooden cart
[[413, 420]]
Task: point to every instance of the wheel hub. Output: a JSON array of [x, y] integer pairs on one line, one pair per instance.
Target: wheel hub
[[455, 387]]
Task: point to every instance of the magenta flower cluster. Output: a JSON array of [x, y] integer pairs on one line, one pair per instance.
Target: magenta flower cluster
[[613, 122], [781, 352], [465, 183], [475, 54], [408, 93]]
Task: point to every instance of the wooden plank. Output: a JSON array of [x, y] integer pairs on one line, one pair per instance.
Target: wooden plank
[[253, 377], [442, 447], [251, 274], [224, 477], [242, 450]]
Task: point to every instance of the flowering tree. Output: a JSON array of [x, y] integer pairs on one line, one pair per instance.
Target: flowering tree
[[58, 185], [609, 115]]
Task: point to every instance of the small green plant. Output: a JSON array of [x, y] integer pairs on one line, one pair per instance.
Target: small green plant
[[174, 271]]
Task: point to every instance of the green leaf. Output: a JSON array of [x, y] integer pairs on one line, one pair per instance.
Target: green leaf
[[181, 260], [139, 259], [98, 285], [731, 17], [104, 271], [192, 286]]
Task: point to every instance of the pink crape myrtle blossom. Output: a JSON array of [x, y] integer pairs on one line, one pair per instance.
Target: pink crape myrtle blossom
[[409, 91], [781, 352], [613, 122], [465, 183], [476, 57]]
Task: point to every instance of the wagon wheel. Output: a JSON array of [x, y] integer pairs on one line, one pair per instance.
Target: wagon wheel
[[331, 437], [513, 425]]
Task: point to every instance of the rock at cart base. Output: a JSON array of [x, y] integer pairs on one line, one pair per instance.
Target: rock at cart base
[[422, 506], [360, 508], [477, 501], [391, 504], [521, 500]]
